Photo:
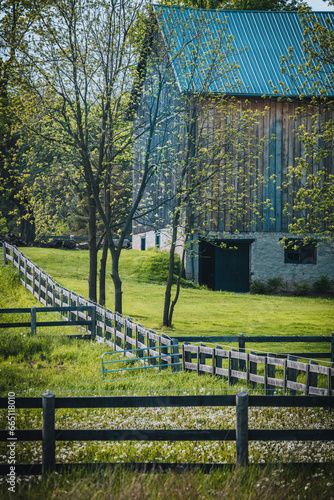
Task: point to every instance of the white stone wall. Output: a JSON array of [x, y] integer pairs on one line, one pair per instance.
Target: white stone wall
[[266, 257], [267, 260], [165, 241]]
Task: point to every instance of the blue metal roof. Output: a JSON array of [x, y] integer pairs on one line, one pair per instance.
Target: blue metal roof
[[235, 52]]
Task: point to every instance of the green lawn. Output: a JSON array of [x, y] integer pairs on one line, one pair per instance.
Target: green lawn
[[199, 311]]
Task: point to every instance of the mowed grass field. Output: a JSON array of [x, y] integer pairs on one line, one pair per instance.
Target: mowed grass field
[[199, 311]]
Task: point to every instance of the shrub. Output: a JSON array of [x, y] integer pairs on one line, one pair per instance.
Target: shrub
[[258, 287], [323, 284], [274, 284], [301, 289]]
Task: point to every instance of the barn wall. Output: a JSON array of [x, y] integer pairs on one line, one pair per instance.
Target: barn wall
[[249, 192]]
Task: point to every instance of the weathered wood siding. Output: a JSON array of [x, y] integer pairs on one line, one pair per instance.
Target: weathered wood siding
[[251, 188]]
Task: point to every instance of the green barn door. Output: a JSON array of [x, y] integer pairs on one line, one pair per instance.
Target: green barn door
[[232, 267]]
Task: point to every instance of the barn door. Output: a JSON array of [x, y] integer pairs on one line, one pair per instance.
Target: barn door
[[232, 267], [225, 268]]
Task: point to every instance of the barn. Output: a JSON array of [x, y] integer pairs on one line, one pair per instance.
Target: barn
[[215, 88]]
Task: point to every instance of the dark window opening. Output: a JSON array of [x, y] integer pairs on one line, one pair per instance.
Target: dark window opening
[[298, 252], [143, 243], [157, 240]]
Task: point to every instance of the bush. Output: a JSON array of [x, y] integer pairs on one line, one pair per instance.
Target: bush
[[323, 284], [275, 284], [301, 289], [258, 287]]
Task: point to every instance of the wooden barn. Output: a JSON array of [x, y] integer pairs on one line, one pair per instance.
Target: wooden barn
[[212, 92]]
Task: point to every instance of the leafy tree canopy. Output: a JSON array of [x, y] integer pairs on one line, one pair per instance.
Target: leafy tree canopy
[[272, 5]]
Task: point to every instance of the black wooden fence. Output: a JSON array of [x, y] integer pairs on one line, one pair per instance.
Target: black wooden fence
[[33, 323], [50, 434], [122, 334]]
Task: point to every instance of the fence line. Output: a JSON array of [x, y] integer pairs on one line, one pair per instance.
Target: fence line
[[241, 434], [122, 334], [113, 329], [33, 323]]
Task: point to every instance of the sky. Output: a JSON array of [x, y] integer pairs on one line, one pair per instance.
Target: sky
[[319, 5]]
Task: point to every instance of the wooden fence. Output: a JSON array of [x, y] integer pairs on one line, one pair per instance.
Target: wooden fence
[[122, 334], [241, 340], [49, 433], [33, 323], [113, 329]]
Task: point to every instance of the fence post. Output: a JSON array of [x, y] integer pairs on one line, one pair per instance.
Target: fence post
[[198, 359], [313, 377], [219, 360], [253, 369], [128, 333], [39, 285], [33, 280], [271, 374], [292, 374], [25, 273], [33, 320], [234, 366], [48, 433], [265, 372], [93, 322], [307, 379], [229, 367], [242, 428], [176, 357], [115, 331], [284, 377], [332, 349], [242, 344]]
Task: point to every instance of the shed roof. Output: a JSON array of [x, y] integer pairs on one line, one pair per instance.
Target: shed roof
[[252, 42]]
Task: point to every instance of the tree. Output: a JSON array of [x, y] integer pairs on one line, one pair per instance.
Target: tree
[[81, 61], [311, 180], [15, 22], [272, 5]]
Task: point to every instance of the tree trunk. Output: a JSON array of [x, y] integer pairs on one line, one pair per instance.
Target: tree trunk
[[117, 280], [165, 320], [178, 285], [92, 248], [27, 226], [102, 281]]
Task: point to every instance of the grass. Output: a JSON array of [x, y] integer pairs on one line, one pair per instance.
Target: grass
[[199, 311], [251, 483], [30, 365]]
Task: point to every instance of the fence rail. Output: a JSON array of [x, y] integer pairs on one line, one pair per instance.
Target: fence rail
[[241, 339], [33, 323], [123, 335], [49, 434]]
